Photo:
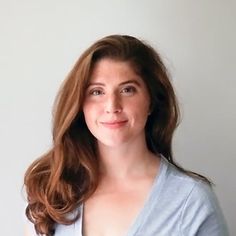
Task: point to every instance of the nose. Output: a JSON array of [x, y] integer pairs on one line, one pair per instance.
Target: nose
[[113, 104]]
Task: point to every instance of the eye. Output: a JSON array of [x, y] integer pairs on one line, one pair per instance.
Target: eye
[[96, 92], [128, 90]]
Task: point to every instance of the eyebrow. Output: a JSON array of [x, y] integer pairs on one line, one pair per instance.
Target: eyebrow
[[123, 83]]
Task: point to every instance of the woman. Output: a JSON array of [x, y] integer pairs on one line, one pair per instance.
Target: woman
[[110, 171]]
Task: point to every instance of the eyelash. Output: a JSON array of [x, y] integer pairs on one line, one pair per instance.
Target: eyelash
[[127, 90], [95, 92]]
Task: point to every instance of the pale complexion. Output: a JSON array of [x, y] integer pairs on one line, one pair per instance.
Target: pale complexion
[[116, 108]]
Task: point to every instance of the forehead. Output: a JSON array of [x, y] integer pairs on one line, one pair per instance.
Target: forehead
[[112, 70]]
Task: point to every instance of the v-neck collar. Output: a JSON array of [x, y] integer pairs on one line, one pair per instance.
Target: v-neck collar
[[150, 200], [140, 219]]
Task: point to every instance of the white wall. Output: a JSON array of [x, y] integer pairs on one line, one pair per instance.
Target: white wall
[[40, 41]]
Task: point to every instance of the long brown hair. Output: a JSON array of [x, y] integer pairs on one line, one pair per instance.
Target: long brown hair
[[61, 180]]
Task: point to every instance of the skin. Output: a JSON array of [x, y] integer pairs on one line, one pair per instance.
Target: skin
[[116, 109], [116, 105]]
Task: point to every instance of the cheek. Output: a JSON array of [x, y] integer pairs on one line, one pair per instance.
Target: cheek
[[140, 114], [142, 111], [141, 107], [87, 113], [91, 113]]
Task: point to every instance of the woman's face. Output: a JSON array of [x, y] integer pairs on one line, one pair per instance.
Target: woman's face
[[116, 103]]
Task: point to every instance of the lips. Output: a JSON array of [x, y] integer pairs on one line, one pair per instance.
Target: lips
[[114, 124]]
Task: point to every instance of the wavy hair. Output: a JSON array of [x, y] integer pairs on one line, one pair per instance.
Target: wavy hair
[[61, 180]]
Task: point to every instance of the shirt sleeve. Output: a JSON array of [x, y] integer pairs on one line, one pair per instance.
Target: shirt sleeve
[[201, 213]]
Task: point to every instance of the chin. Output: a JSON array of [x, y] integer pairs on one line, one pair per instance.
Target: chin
[[113, 143]]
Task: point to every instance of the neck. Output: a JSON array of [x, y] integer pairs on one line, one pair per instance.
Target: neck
[[128, 160]]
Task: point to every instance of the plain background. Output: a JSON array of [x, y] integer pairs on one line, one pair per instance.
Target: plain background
[[41, 40]]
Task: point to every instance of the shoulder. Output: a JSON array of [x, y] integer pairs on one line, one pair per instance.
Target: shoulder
[[201, 198], [192, 189], [71, 229], [60, 229], [176, 181], [200, 212]]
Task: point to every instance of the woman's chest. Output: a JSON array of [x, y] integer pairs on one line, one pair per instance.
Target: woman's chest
[[111, 214]]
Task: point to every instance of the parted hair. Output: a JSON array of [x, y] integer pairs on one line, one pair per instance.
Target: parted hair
[[58, 182]]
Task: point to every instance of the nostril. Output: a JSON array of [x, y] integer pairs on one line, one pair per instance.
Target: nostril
[[118, 110], [113, 105]]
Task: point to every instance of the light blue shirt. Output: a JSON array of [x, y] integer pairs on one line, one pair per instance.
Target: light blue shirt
[[177, 205]]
